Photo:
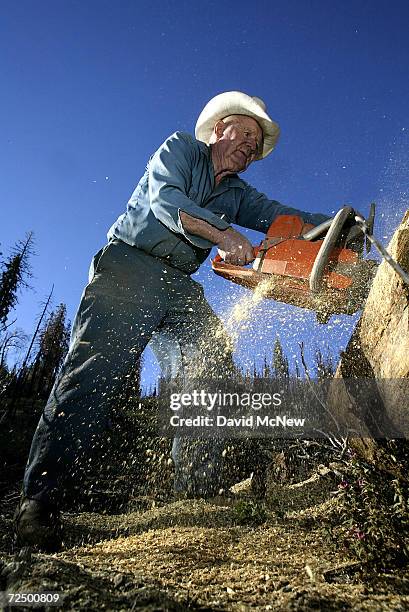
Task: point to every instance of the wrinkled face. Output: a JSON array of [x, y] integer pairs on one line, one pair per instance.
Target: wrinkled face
[[240, 141]]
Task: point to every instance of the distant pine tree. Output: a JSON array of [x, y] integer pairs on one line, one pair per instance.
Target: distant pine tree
[[280, 364], [266, 369], [324, 365], [15, 271]]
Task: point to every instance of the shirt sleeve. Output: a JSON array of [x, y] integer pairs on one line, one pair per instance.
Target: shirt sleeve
[[170, 175], [257, 211]]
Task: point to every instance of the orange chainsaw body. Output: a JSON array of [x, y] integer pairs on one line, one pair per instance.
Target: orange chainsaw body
[[284, 262]]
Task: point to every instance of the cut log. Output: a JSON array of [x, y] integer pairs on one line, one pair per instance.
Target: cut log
[[379, 349]]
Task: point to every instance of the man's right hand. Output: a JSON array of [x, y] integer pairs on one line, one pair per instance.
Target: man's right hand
[[234, 248]]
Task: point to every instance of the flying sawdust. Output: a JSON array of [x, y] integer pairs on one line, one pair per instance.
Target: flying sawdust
[[242, 314]]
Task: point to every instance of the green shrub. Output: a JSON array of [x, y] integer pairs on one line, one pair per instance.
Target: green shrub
[[375, 514], [249, 512]]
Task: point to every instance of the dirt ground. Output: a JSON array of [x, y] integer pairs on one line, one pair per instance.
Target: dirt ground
[[195, 554]]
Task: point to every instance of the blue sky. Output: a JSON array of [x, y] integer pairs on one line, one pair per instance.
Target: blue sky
[[90, 89]]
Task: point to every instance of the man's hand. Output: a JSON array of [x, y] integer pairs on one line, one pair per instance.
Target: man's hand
[[234, 248]]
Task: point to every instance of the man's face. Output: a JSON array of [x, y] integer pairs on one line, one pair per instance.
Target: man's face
[[240, 143]]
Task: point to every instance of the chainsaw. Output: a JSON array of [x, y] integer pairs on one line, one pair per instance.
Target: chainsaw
[[319, 268]]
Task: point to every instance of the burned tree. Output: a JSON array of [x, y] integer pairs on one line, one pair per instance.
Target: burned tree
[[53, 344]]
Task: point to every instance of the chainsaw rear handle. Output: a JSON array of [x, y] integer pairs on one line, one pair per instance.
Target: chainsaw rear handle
[[327, 246]]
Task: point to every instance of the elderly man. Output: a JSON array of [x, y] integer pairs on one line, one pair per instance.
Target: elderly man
[[140, 289]]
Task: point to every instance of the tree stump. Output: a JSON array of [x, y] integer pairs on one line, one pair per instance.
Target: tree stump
[[379, 349]]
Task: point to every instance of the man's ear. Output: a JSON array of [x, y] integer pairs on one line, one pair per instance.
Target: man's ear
[[218, 129]]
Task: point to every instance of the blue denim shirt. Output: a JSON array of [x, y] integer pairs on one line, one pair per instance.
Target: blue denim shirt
[[180, 177]]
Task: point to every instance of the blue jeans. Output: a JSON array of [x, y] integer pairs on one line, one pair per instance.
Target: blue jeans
[[131, 298]]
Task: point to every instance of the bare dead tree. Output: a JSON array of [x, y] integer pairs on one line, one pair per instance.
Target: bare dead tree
[[18, 383], [339, 443], [11, 340], [37, 329]]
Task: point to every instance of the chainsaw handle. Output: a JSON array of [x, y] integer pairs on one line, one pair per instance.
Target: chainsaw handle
[[327, 246], [316, 231]]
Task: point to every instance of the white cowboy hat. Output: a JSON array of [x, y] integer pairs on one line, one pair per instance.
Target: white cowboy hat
[[237, 103]]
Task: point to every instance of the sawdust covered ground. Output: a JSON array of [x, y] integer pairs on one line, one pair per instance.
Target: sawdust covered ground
[[193, 554]]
